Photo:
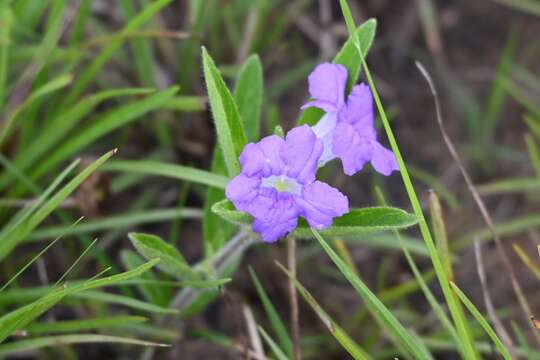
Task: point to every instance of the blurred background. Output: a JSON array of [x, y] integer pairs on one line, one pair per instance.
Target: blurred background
[[77, 80]]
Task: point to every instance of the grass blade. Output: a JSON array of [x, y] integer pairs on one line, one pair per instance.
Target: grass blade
[[34, 344], [53, 85], [339, 334], [22, 316], [391, 324], [483, 322], [17, 234], [67, 326], [185, 173], [119, 222], [6, 20], [459, 320], [93, 69], [280, 355], [275, 320], [105, 124]]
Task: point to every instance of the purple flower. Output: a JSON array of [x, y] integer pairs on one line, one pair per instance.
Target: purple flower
[[347, 129], [277, 184]]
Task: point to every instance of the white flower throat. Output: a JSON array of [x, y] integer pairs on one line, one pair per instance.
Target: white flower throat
[[282, 183]]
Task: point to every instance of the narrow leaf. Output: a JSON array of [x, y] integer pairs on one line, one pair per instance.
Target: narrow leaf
[[172, 262], [230, 132], [249, 96]]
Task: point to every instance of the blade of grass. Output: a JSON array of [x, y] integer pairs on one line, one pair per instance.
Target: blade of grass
[[112, 120], [534, 154], [90, 73], [459, 320], [506, 186], [38, 255], [60, 126], [527, 260], [51, 86], [33, 344], [68, 326], [430, 297], [516, 286], [278, 353], [275, 320], [339, 334], [185, 173], [483, 322], [378, 309], [6, 20], [142, 51], [116, 222], [124, 301], [529, 6], [17, 234], [24, 315]]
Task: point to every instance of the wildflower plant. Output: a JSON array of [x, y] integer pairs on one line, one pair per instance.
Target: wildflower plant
[[273, 182], [260, 188]]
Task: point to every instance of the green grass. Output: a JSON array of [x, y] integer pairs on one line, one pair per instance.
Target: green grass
[[139, 245]]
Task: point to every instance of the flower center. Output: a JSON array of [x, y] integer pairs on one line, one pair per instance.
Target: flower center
[[282, 183]]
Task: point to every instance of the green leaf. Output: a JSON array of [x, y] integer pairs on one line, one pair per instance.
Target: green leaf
[[126, 301], [230, 132], [53, 85], [21, 317], [85, 324], [91, 71], [103, 125], [172, 262], [18, 233], [249, 96], [185, 173], [152, 293], [357, 221], [280, 355], [483, 322], [275, 320], [23, 346], [216, 231], [467, 342], [337, 332], [349, 57], [116, 222], [362, 221], [60, 125], [226, 210], [6, 21], [377, 308]]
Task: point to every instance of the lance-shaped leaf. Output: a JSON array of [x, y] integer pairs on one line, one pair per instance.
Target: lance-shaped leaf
[[172, 262], [229, 128], [357, 221]]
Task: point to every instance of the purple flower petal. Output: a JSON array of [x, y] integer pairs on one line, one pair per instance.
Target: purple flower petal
[[359, 111], [263, 157], [327, 87], [242, 191], [353, 150], [301, 153], [383, 160], [321, 203], [278, 219]]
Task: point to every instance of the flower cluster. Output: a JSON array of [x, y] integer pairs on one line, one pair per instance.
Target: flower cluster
[[278, 183]]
